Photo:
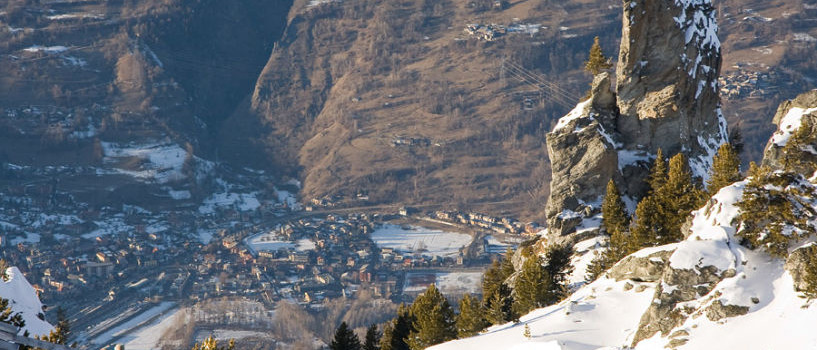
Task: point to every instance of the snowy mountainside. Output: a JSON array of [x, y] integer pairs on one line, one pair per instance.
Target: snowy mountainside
[[705, 292], [23, 299]]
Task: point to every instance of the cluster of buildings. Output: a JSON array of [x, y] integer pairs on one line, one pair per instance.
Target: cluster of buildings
[[503, 225], [744, 83]]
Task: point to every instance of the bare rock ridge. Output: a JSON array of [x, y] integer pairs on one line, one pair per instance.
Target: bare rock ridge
[[666, 97]]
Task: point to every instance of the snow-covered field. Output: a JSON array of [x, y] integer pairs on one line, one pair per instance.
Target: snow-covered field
[[147, 337], [124, 329], [238, 201], [420, 240], [159, 162], [497, 246], [450, 283], [271, 241]]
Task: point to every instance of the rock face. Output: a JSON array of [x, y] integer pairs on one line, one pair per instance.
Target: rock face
[[666, 97], [791, 116]]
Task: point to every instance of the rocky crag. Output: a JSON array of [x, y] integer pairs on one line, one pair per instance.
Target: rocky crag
[[710, 290], [666, 97]]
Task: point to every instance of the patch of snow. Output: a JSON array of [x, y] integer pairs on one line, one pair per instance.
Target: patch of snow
[[133, 323], [148, 337], [23, 299], [179, 195], [574, 114], [629, 157], [789, 124], [598, 315], [47, 49], [288, 198], [238, 201], [160, 162]]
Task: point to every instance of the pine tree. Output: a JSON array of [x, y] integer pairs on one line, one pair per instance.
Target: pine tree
[[736, 139], [397, 331], [658, 172], [614, 212], [768, 206], [345, 339], [526, 332], [491, 280], [558, 268], [725, 169], [659, 216], [372, 341], [500, 306], [616, 222], [434, 320], [649, 225], [471, 319], [792, 151], [532, 287], [7, 315], [678, 197], [596, 62], [506, 268]]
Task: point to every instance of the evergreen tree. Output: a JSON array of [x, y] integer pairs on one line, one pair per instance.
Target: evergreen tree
[[793, 159], [345, 339], [491, 280], [558, 268], [678, 197], [725, 169], [736, 139], [397, 331], [532, 287], [768, 206], [496, 276], [649, 226], [659, 216], [616, 222], [614, 212], [526, 332], [506, 268], [372, 341], [658, 172], [434, 320], [596, 61], [500, 306], [7, 315], [471, 319]]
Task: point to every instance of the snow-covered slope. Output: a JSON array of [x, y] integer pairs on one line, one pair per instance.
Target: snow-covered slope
[[602, 314], [23, 299], [712, 293]]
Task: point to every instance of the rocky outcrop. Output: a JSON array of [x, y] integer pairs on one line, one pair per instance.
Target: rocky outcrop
[[641, 267], [583, 157], [679, 286], [796, 265], [791, 117], [666, 97]]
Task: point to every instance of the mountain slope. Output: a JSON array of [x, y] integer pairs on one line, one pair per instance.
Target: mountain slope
[[23, 299], [711, 293]]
